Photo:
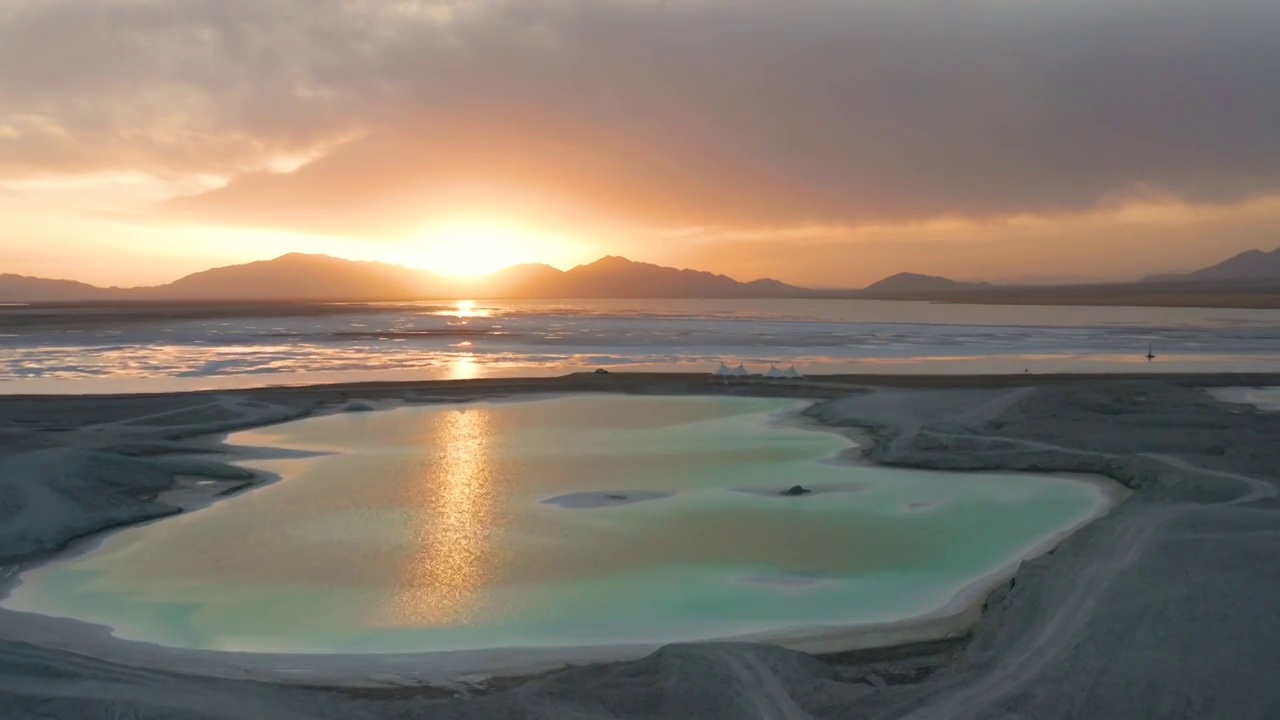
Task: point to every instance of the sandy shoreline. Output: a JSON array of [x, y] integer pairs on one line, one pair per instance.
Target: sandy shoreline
[[76, 466]]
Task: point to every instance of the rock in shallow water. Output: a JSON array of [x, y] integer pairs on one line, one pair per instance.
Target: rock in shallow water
[[818, 489], [600, 498]]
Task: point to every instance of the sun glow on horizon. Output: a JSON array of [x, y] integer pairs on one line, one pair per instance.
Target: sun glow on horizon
[[474, 248]]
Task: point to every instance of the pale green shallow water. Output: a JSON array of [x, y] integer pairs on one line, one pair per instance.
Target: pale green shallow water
[[426, 530]]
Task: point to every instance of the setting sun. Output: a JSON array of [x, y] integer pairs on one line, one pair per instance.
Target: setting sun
[[478, 248]]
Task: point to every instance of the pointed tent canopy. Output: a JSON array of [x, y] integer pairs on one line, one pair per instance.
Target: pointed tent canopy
[[791, 372], [740, 371], [723, 371], [774, 372]]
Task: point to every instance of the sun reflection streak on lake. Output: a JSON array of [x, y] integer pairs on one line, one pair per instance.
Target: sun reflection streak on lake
[[453, 555], [464, 310], [462, 367]]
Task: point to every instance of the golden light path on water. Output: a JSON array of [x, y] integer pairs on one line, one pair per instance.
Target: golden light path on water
[[453, 555], [463, 310], [462, 367]]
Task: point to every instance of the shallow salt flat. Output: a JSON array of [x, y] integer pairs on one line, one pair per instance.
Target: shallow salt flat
[[1264, 398], [77, 352], [429, 528]]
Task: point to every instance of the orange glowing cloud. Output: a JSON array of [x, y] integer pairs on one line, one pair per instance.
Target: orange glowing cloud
[[717, 133]]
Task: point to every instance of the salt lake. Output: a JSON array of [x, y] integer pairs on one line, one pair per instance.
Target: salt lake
[[556, 522]]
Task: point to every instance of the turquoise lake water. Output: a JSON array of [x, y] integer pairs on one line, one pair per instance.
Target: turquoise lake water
[[428, 528]]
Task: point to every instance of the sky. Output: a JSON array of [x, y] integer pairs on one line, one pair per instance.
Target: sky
[[822, 142]]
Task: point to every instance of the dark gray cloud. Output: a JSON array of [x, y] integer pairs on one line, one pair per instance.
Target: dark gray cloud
[[733, 113], [174, 86]]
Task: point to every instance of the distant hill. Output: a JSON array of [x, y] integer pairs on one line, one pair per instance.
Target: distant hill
[[20, 288], [619, 277], [1250, 280], [320, 277], [915, 283], [298, 277], [515, 281], [1251, 266]]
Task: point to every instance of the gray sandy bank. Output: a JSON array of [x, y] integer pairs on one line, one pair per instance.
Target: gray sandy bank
[[1157, 610]]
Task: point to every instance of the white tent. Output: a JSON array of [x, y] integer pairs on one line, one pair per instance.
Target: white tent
[[740, 371], [792, 373], [723, 371], [774, 373]]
